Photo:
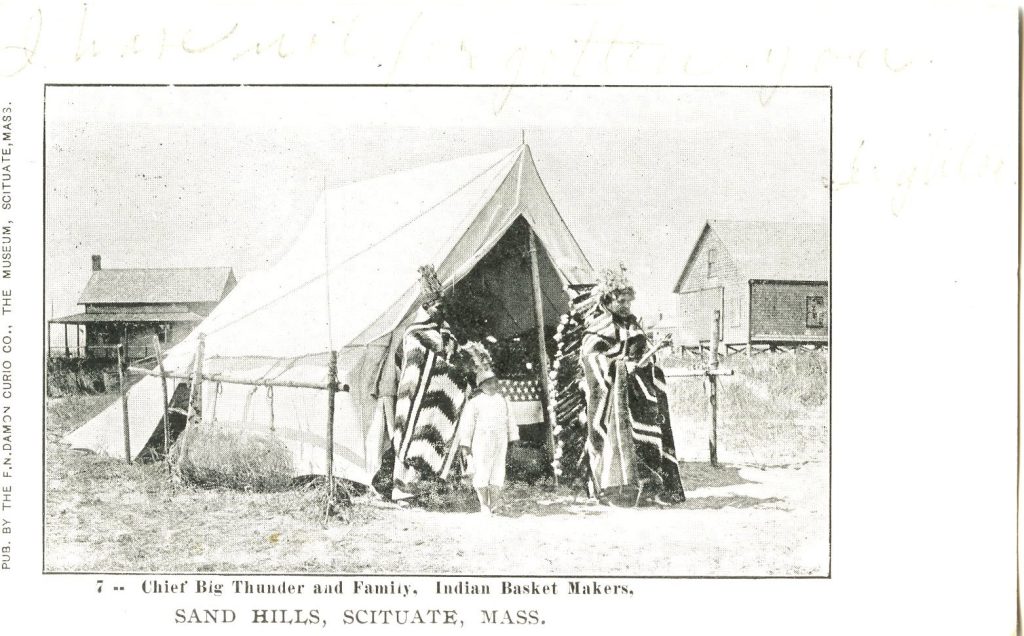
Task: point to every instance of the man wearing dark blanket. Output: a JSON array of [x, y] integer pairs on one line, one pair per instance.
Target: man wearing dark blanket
[[629, 444]]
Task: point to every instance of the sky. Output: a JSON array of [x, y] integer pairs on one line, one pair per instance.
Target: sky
[[226, 176]]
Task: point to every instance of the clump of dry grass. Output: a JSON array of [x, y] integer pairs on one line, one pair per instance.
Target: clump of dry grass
[[452, 495], [215, 456], [772, 411], [77, 376], [771, 385]]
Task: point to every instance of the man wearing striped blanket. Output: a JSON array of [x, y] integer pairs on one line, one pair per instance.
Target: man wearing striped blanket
[[431, 392], [629, 444]]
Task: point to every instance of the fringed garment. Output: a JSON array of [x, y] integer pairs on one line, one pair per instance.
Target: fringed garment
[[431, 394], [629, 435]]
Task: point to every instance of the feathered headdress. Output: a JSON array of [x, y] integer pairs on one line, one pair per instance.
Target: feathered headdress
[[612, 281], [481, 359], [430, 285], [479, 354]]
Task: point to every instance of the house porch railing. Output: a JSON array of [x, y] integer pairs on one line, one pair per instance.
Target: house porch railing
[[100, 352]]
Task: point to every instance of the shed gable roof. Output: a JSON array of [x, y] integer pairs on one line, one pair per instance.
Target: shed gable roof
[[770, 250], [157, 285]]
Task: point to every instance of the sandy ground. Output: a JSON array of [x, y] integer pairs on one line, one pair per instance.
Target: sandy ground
[[763, 523], [737, 521], [764, 512]]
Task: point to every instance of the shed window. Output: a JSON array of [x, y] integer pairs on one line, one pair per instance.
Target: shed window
[[711, 264], [815, 311]]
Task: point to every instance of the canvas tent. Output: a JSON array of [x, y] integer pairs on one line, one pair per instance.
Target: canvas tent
[[349, 283]]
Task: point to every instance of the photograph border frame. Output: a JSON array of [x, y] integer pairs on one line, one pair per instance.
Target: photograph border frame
[[349, 575]]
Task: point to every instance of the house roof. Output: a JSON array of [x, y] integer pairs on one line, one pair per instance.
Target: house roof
[[771, 250], [116, 316], [157, 285]]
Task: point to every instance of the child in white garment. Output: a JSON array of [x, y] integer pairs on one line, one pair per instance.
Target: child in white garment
[[485, 433]]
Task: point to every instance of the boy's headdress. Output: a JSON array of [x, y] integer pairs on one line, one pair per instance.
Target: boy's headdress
[[482, 361]]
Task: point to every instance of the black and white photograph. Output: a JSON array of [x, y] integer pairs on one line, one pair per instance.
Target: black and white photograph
[[438, 330], [559, 317]]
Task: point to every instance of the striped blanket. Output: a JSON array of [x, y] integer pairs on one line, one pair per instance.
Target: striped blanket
[[629, 436], [431, 394]]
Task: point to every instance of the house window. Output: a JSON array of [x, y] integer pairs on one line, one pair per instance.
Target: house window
[[815, 311], [711, 264]]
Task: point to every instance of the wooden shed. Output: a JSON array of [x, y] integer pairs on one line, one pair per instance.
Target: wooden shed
[[132, 305], [769, 280]]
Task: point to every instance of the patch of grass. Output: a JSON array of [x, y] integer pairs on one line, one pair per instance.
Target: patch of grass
[[103, 514], [78, 376], [453, 495], [65, 414], [518, 497], [770, 386], [211, 456], [770, 412]]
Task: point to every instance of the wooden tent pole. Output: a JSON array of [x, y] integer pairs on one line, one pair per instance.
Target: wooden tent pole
[[163, 385], [332, 383], [713, 390], [122, 373], [538, 313]]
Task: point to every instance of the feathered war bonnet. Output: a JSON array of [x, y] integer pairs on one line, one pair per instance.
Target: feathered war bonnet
[[612, 281], [430, 286], [483, 364]]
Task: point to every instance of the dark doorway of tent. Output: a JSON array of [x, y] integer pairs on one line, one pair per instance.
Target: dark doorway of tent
[[494, 304]]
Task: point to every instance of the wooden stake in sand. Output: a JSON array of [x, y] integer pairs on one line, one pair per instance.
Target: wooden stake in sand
[[163, 385], [713, 390], [122, 373], [711, 372], [332, 382]]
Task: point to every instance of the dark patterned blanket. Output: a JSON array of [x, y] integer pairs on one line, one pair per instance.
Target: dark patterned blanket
[[629, 442], [430, 397]]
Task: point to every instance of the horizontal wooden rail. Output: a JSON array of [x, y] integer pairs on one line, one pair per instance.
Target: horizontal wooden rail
[[214, 377], [98, 351]]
